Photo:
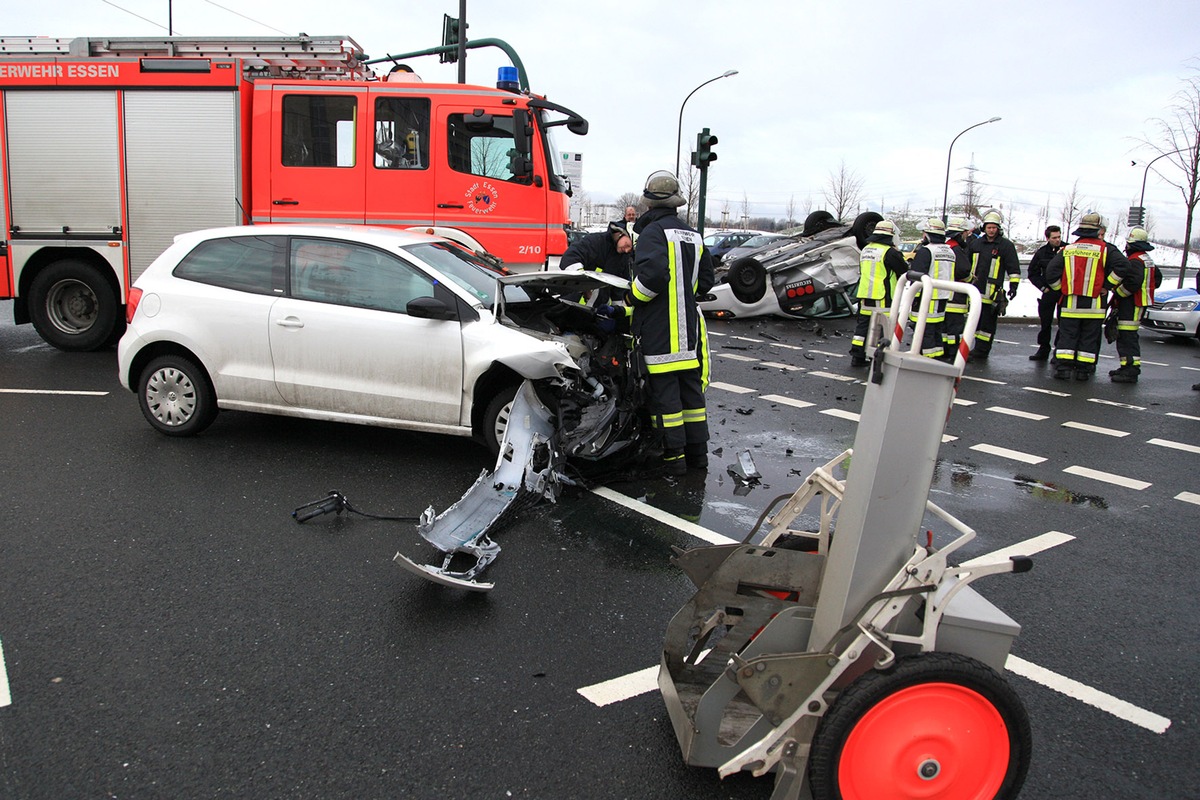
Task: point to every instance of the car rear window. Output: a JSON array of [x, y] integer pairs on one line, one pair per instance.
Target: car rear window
[[245, 263]]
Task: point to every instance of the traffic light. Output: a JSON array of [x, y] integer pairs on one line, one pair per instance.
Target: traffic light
[[1137, 216], [704, 154], [451, 33]]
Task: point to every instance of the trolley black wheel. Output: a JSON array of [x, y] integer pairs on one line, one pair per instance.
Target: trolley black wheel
[[748, 280], [934, 725]]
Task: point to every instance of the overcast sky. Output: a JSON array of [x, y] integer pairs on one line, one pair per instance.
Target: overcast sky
[[884, 86]]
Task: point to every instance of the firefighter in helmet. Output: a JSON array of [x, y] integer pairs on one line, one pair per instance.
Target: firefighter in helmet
[[1131, 308], [1083, 271], [936, 259], [880, 264], [670, 268], [957, 230], [993, 263]]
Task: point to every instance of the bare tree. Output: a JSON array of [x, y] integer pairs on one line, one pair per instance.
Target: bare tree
[[1073, 204], [1177, 140], [843, 190], [791, 212], [630, 199], [689, 184], [745, 210]]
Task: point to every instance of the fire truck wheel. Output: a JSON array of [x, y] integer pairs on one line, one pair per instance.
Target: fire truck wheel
[[176, 396], [495, 418], [72, 306], [934, 725], [748, 280]]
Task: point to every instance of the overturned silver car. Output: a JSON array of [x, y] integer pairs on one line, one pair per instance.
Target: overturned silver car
[[813, 274]]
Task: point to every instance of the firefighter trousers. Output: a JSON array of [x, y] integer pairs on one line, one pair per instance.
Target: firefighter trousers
[[989, 316], [676, 402], [1129, 319], [952, 330], [858, 345], [1047, 310], [1078, 343]]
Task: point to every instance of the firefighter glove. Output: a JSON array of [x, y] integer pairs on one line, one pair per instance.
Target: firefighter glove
[[1012, 290]]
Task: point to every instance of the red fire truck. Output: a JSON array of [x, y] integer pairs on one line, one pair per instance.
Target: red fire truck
[[111, 147]]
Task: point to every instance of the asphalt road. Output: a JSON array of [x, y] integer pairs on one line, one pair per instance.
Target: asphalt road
[[169, 631]]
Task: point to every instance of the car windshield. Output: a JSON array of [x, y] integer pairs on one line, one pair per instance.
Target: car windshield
[[466, 271]]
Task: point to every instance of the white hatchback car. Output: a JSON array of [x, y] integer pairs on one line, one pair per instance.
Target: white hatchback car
[[372, 326]]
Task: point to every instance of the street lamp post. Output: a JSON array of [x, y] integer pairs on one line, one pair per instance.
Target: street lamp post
[[946, 190], [1146, 172], [679, 130]]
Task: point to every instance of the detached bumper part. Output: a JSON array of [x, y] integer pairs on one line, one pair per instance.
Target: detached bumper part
[[526, 471]]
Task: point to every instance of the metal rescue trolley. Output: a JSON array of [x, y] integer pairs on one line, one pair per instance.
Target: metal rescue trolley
[[854, 661]]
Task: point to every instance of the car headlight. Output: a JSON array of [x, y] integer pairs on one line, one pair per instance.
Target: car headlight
[[1181, 305]]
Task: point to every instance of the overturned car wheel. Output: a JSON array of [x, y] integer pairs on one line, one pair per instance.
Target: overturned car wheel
[[747, 279]]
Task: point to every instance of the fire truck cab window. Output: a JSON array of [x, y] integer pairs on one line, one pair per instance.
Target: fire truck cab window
[[491, 153], [402, 133], [319, 130], [353, 275], [245, 263]]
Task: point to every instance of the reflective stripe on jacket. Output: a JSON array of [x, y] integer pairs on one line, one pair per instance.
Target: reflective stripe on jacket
[[875, 281]]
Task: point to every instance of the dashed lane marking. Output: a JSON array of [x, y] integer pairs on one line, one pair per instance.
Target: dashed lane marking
[[1187, 448], [1189, 497], [1083, 426], [826, 353], [623, 688], [5, 695], [832, 376], [1181, 416], [1050, 392], [786, 346], [948, 438], [1193, 369], [1112, 403], [647, 510], [984, 380], [52, 391], [747, 339], [1004, 452], [1156, 363], [1086, 694], [1012, 412], [736, 357], [777, 365], [1107, 477], [729, 387], [958, 401], [1007, 341], [787, 401], [837, 412]]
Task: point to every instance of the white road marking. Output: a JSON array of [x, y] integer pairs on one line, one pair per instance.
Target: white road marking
[[787, 401], [5, 696], [1193, 369], [1189, 497], [1012, 412], [1028, 547], [948, 438], [1181, 416], [959, 402], [736, 357], [1107, 477], [746, 339], [1004, 452], [1006, 341], [1156, 363], [777, 365], [1086, 694], [52, 391], [1187, 448], [984, 380], [825, 353], [1050, 392], [1118, 405], [691, 528], [837, 412], [786, 346], [832, 376], [623, 688], [1083, 426], [729, 387]]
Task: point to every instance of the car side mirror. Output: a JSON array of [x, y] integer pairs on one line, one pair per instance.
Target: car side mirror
[[430, 308]]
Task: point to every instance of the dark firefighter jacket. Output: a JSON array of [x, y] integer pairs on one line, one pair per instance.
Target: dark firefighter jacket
[[671, 267], [1037, 264], [989, 261], [597, 251]]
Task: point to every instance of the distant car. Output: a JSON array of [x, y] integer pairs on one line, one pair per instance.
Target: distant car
[[1175, 311], [909, 248], [721, 242], [753, 244], [371, 326]]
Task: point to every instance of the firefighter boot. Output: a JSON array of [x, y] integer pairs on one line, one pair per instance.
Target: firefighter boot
[[1063, 370], [674, 463], [858, 357], [1126, 374], [1042, 354]]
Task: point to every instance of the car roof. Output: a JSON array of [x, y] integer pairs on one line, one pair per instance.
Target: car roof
[[366, 234]]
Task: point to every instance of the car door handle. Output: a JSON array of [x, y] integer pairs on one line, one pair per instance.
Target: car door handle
[[289, 322], [285, 202], [449, 205]]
